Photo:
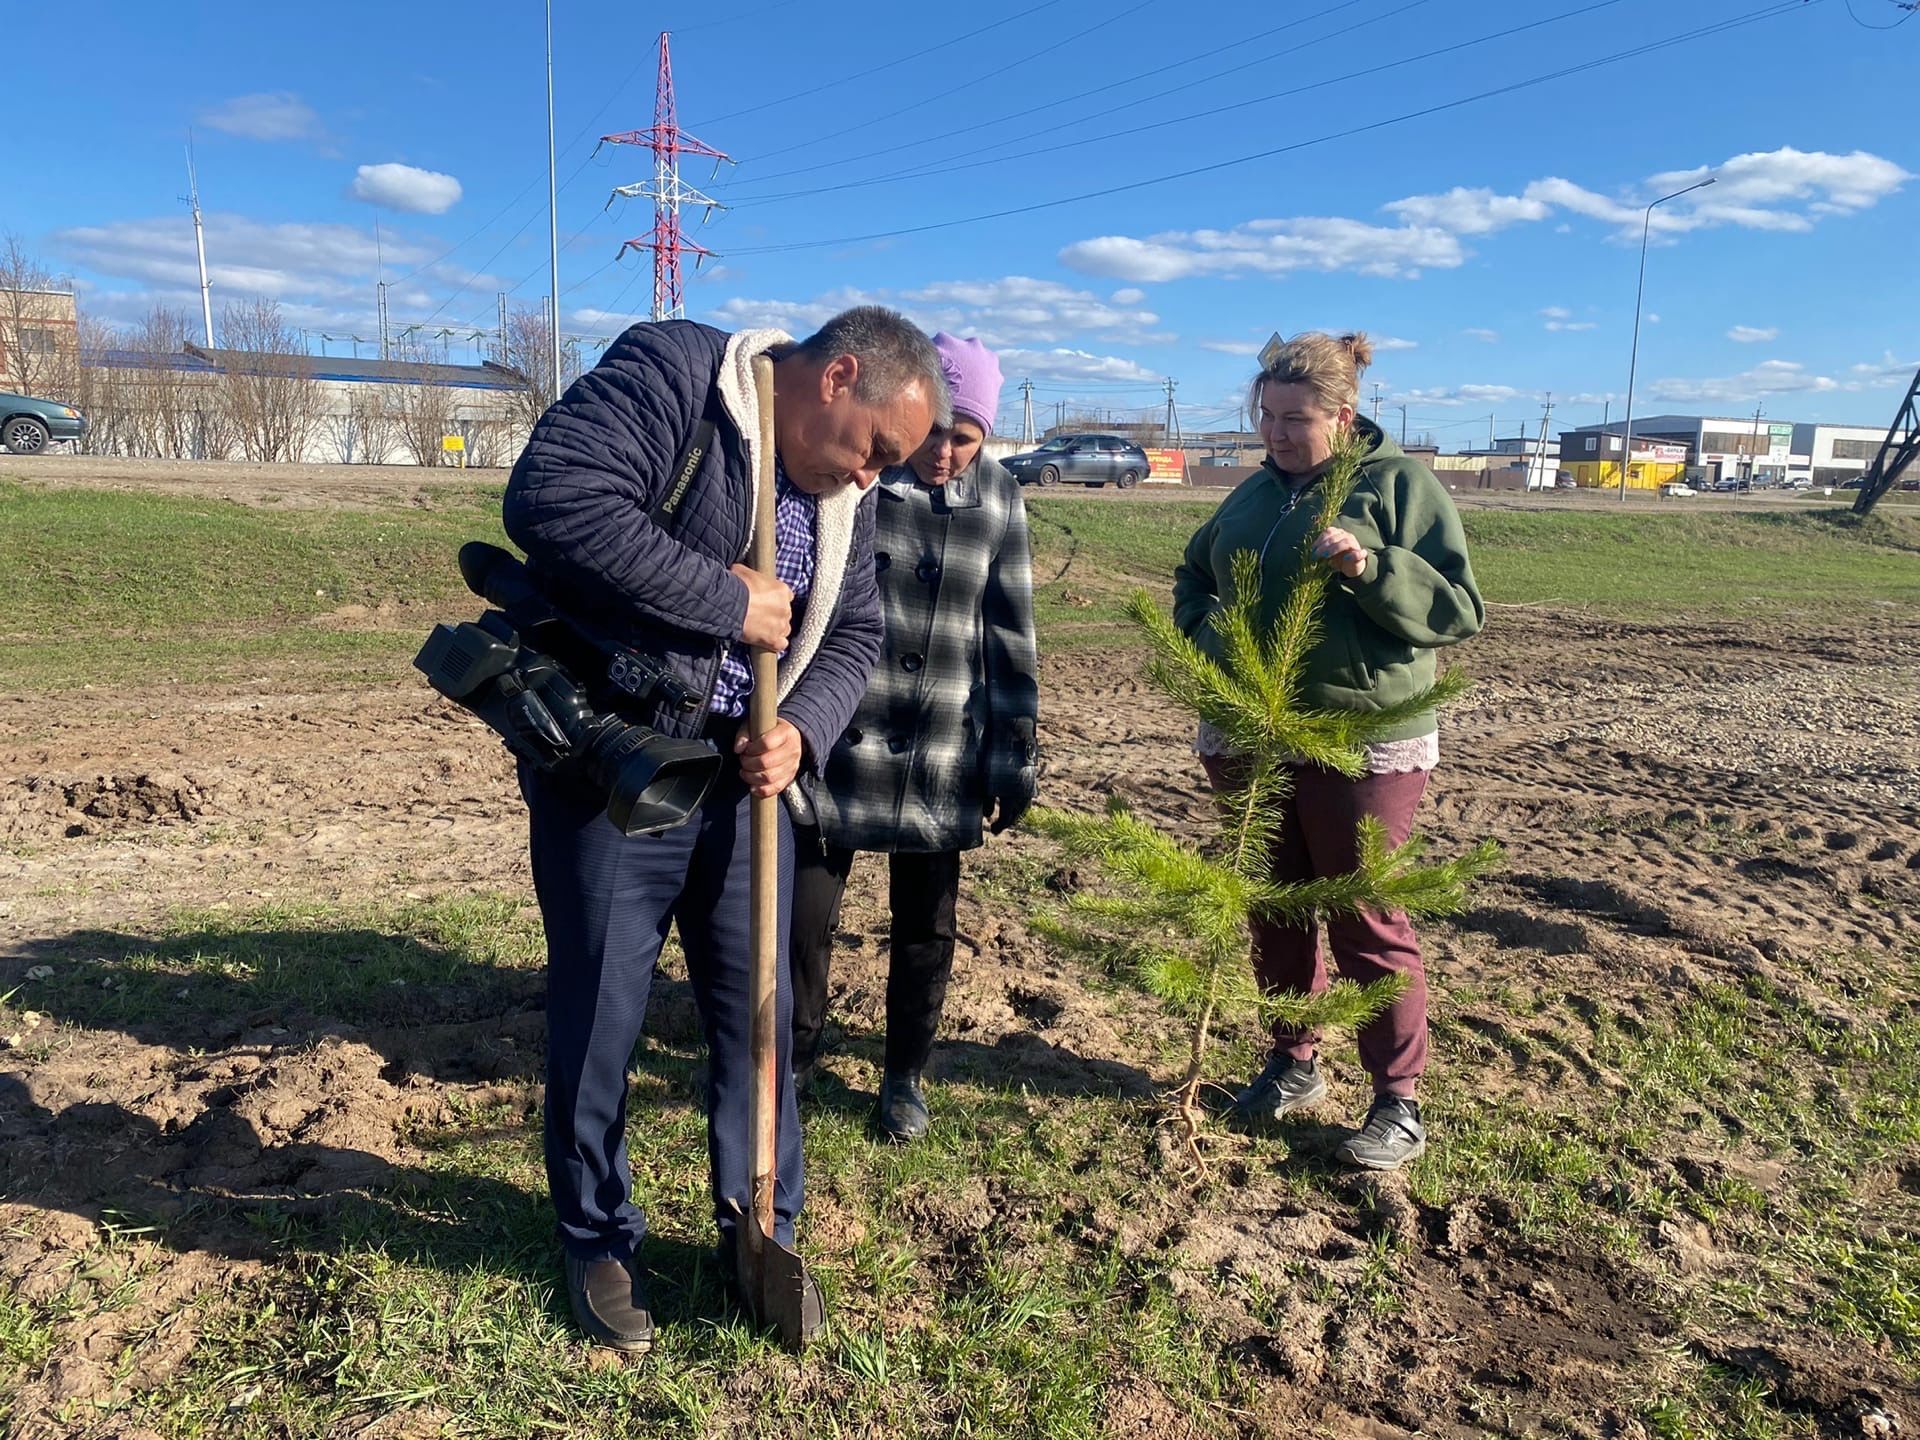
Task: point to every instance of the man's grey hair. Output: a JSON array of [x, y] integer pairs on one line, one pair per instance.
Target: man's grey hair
[[892, 352]]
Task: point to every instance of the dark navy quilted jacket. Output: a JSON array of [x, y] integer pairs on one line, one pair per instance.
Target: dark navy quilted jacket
[[578, 503]]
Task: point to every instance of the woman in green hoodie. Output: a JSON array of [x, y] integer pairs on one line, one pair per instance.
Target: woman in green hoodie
[[1403, 589]]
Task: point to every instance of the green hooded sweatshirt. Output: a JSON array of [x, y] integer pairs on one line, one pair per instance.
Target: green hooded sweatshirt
[[1379, 631]]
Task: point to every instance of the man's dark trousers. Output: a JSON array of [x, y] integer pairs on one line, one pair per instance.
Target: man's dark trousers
[[607, 900]]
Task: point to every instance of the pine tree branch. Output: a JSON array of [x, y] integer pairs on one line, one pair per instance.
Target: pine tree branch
[[1344, 1005]]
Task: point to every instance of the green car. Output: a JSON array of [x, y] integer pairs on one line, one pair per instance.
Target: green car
[[28, 426]]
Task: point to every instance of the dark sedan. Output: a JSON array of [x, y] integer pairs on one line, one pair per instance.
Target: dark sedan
[[1081, 460], [28, 426]]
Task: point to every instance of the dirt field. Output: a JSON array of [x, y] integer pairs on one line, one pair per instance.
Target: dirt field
[[1689, 812]]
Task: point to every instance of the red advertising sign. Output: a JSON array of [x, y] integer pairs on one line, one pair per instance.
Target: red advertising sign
[[1167, 467]]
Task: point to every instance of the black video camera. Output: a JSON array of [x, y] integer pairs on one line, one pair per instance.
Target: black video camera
[[503, 667]]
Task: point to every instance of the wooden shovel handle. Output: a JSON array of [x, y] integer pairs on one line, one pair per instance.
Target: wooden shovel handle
[[762, 713]]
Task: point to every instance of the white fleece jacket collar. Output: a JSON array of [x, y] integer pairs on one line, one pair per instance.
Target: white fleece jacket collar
[[833, 513]]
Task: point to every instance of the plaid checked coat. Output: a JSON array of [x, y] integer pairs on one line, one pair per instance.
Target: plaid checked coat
[[947, 723]]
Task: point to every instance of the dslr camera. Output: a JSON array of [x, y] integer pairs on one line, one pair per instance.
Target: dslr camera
[[511, 668]]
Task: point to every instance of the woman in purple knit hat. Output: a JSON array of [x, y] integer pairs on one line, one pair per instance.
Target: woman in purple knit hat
[[944, 739]]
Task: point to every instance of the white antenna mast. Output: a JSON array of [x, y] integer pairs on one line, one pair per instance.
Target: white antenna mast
[[199, 245]]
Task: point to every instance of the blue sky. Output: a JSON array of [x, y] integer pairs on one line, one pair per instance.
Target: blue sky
[[1489, 244]]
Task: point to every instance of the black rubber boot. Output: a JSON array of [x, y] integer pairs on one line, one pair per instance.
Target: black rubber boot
[[901, 1114]]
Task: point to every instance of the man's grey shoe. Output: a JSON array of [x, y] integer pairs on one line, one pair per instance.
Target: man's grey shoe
[[610, 1304], [901, 1114], [1284, 1086], [1392, 1136]]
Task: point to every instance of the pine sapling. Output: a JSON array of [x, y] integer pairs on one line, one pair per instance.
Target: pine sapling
[[1179, 924]]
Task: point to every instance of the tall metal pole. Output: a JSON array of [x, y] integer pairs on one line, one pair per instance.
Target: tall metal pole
[[1633, 362], [199, 245], [553, 214]]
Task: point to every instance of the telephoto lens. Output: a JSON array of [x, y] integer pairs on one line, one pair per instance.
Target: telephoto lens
[[651, 782]]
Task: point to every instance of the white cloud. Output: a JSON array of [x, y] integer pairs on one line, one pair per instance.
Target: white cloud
[[322, 274], [1558, 317], [1769, 377], [1653, 319], [1014, 310], [1392, 342], [1782, 190], [1753, 334], [1888, 370], [279, 115], [1269, 247], [1073, 365], [1230, 347], [404, 187], [1489, 337], [1128, 296], [1468, 212], [1460, 395]]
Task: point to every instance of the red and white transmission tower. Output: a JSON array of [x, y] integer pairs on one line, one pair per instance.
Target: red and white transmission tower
[[668, 192]]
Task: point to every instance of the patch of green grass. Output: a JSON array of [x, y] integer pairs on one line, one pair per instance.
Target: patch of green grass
[[1731, 1071], [216, 966], [110, 588], [1658, 567], [961, 1303]]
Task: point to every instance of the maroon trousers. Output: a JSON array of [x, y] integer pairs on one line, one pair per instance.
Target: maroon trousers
[[1316, 838]]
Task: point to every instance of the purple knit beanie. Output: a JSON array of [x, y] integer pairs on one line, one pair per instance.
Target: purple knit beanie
[[973, 374]]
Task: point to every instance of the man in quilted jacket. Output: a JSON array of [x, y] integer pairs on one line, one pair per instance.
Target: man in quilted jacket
[[854, 398]]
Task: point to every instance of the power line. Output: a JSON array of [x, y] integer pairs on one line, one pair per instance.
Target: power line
[[1153, 74], [961, 162], [944, 96], [883, 66], [1766, 13], [1912, 9]]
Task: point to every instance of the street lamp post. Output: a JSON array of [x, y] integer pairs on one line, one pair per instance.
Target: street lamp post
[[1646, 229]]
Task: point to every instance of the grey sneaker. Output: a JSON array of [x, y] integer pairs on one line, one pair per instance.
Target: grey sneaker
[[1284, 1086], [1392, 1136]]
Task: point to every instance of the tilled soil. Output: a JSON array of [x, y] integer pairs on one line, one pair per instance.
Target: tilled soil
[[1680, 805]]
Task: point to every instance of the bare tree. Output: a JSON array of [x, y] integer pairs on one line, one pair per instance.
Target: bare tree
[[101, 392], [423, 413], [370, 411], [529, 354], [272, 399], [39, 349]]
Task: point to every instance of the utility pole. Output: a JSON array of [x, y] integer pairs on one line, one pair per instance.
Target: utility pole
[[553, 215], [1540, 450], [380, 306], [199, 246], [1753, 447], [669, 193], [1173, 416], [1376, 404], [1026, 412], [503, 329], [1492, 420], [1403, 425]]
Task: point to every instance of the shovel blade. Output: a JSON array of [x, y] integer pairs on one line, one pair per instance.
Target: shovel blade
[[772, 1281]]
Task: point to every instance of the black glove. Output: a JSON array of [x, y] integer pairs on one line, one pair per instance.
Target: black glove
[[1012, 807]]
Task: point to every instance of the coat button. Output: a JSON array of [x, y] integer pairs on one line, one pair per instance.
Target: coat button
[[881, 560], [896, 743], [911, 663], [853, 737], [927, 571]]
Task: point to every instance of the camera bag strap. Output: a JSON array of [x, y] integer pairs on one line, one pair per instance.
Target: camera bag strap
[[667, 509]]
